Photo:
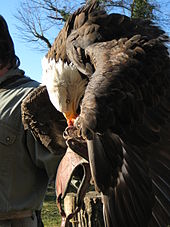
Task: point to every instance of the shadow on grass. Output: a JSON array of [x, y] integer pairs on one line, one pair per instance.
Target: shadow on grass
[[50, 213]]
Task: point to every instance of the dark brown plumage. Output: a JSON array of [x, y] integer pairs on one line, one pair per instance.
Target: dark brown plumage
[[125, 111], [46, 123]]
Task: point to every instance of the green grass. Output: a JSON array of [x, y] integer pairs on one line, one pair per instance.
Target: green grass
[[50, 213]]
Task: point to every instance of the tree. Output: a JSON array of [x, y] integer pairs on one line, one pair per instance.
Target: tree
[[38, 19], [41, 20], [142, 9]]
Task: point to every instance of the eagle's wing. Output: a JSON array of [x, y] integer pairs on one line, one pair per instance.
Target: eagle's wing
[[125, 117], [125, 114]]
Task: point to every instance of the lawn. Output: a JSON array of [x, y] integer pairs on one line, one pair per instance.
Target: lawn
[[50, 214]]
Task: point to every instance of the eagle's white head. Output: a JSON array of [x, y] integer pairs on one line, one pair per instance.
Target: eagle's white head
[[64, 85]]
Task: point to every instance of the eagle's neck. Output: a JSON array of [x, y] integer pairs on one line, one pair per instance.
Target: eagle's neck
[[59, 72]]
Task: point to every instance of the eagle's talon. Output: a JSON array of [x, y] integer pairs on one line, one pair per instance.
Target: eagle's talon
[[77, 122], [87, 134]]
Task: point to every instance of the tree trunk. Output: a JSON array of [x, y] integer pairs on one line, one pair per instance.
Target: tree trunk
[[91, 214]]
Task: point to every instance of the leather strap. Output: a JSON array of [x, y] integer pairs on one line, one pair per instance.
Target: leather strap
[[66, 170], [15, 214]]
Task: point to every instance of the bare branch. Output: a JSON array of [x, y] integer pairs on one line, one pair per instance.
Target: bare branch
[[41, 20]]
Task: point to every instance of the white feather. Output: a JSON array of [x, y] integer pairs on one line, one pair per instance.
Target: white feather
[[64, 84]]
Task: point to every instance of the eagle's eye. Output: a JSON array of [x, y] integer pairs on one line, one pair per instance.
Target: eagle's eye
[[67, 100]]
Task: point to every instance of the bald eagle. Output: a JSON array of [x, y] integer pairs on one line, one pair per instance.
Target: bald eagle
[[110, 77]]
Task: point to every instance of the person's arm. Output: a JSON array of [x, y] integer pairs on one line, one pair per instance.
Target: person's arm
[[42, 157]]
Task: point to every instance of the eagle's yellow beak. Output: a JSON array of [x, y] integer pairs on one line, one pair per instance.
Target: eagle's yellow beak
[[70, 116]]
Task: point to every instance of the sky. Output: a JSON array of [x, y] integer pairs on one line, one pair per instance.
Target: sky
[[30, 58]]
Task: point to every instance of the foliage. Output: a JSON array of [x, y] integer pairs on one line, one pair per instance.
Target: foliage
[[142, 9]]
